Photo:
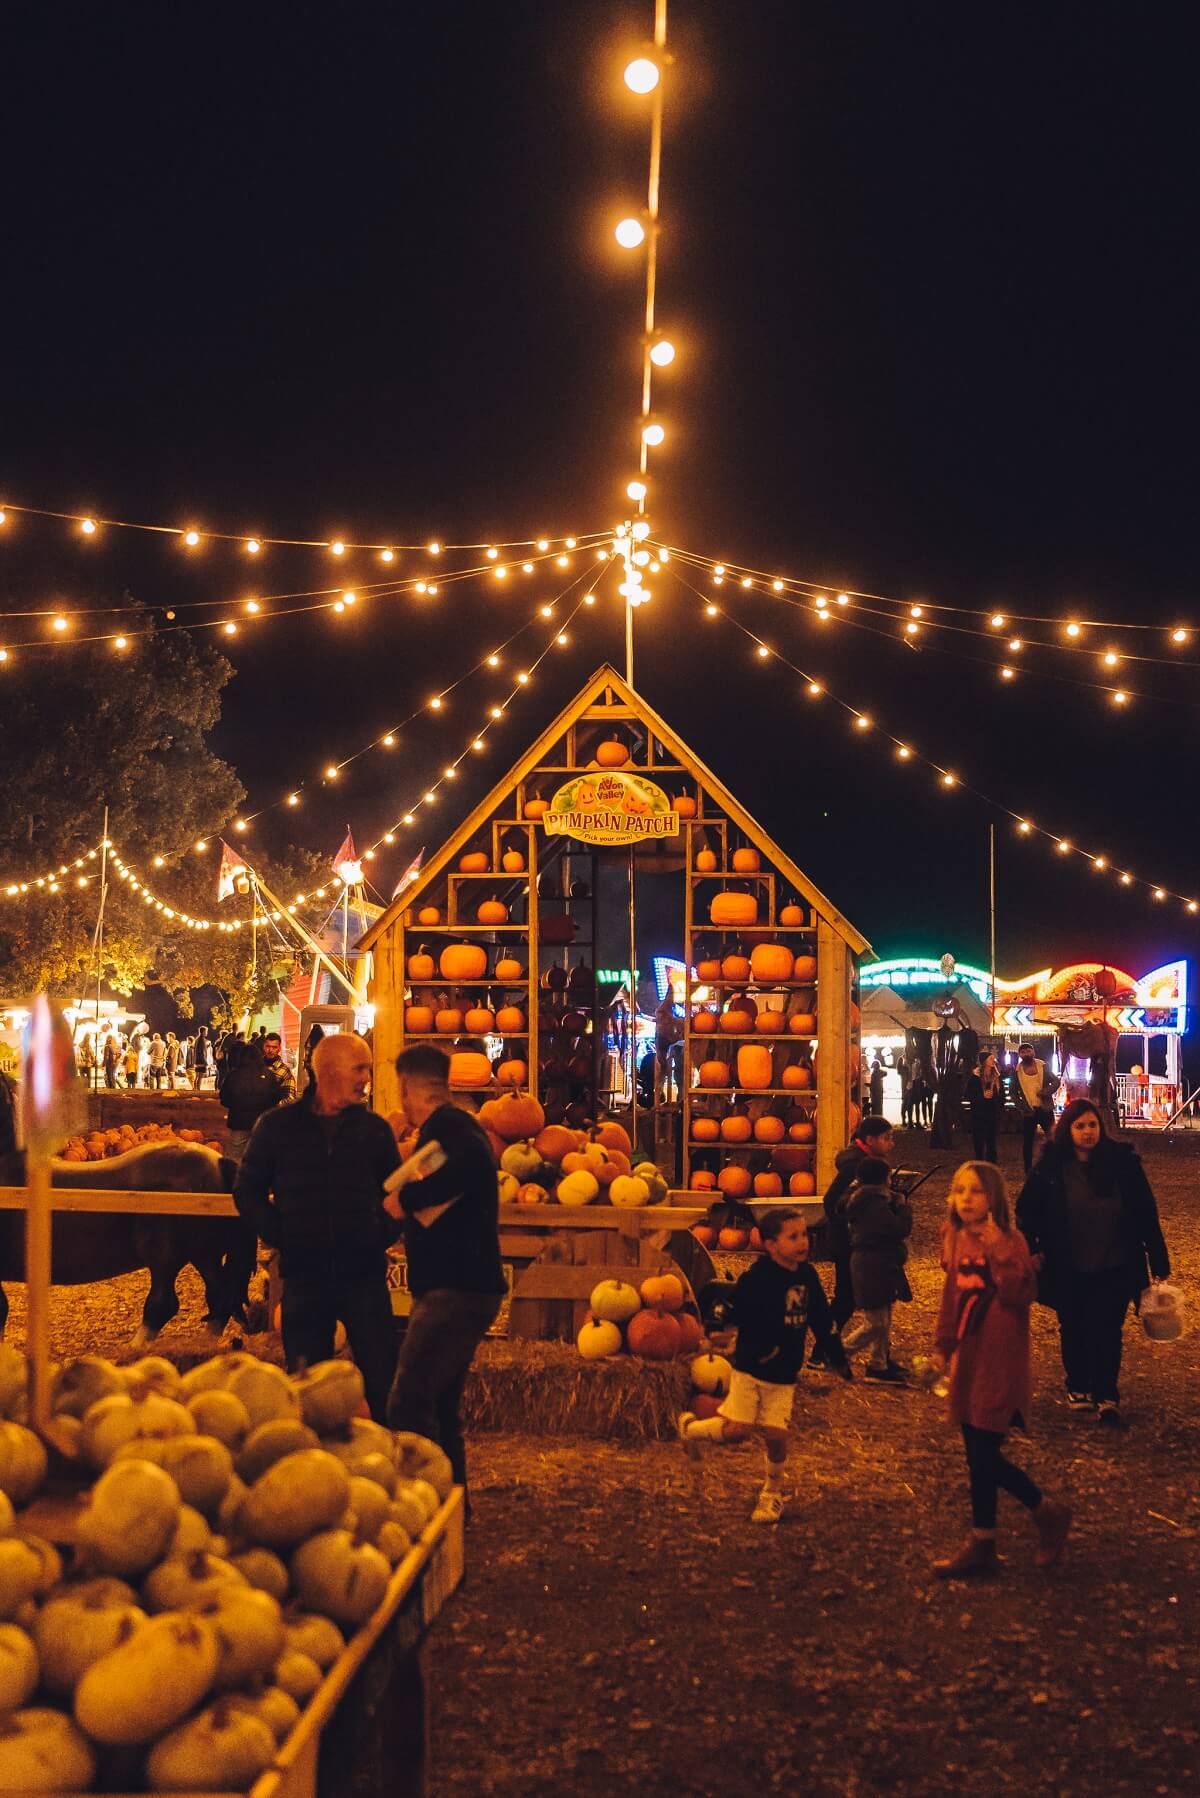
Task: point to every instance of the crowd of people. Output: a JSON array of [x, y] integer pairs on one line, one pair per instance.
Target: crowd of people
[[146, 1058]]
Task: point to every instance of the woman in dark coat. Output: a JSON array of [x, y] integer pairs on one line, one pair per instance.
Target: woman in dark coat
[[1089, 1217], [985, 1095]]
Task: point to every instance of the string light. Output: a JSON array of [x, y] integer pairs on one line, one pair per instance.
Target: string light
[[192, 539], [641, 75], [1073, 629], [253, 546], [88, 526], [662, 353], [630, 233], [654, 435]]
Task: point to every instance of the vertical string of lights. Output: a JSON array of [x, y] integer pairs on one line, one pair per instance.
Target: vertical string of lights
[[645, 75]]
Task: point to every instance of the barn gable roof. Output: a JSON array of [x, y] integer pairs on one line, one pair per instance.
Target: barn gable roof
[[615, 699]]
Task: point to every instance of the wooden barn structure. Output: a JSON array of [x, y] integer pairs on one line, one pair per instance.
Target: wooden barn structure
[[494, 950]]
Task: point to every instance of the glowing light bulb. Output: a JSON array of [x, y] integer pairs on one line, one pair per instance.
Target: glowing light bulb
[[1111, 658], [496, 711], [562, 561], [1179, 636], [636, 490], [543, 544], [1007, 673], [293, 798], [912, 630], [435, 704], [434, 548], [493, 661], [718, 580], [3, 518], [862, 722], [710, 611], [522, 679], [641, 75], [230, 629], [493, 553], [746, 581], [3, 655], [1015, 645], [777, 586], [916, 611], [1160, 893], [479, 743], [160, 861], [997, 621], [1127, 880], [570, 542], [421, 587], [843, 599], [589, 599], [547, 611], [1099, 862], [388, 837], [904, 753], [331, 772], [526, 567], [949, 780], [60, 623], [763, 651], [338, 606], [641, 558], [408, 818], [1120, 698], [120, 642], [662, 353], [641, 529], [191, 538], [821, 602], [387, 555], [88, 527], [562, 639], [337, 547], [1024, 827], [200, 846], [501, 572], [1064, 848], [389, 742], [239, 824], [1072, 629], [252, 546], [814, 689], [630, 233], [653, 435], [252, 606], [1192, 905], [450, 773]]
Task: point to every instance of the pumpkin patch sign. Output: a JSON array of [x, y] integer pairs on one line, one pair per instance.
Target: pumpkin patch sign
[[611, 807]]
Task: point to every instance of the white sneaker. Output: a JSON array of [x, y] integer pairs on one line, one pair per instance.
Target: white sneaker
[[690, 1444], [769, 1508]]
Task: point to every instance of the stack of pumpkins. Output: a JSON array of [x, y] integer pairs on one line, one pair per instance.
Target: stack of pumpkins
[[570, 1167], [453, 1013], [656, 1324], [164, 1658]]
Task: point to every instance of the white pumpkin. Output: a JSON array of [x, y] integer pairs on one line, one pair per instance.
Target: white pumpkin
[[156, 1372], [579, 1188], [249, 1629], [407, 1510], [221, 1414], [43, 1751], [416, 1457], [231, 1504], [393, 1542], [370, 1504], [18, 1667], [615, 1300], [8, 1516], [330, 1395], [79, 1624], [183, 1581], [712, 1373], [81, 1383], [300, 1494], [507, 1188], [628, 1191], [220, 1749], [149, 1683], [425, 1494], [275, 1707], [191, 1532], [200, 1466], [214, 1374], [269, 1442], [598, 1339], [263, 1570], [131, 1518], [317, 1637], [521, 1160], [119, 1419], [297, 1674], [21, 1571], [265, 1391], [22, 1462], [338, 1577]]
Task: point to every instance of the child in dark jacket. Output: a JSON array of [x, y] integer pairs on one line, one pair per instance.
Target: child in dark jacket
[[774, 1303], [877, 1222]]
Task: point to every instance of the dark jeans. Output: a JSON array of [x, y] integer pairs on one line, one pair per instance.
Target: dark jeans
[[984, 1135], [1030, 1123], [1091, 1318], [445, 1329], [841, 1306], [990, 1472], [309, 1312]]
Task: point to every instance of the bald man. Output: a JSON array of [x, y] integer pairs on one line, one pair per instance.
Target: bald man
[[311, 1183]]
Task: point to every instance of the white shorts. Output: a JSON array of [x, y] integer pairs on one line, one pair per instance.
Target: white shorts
[[758, 1401]]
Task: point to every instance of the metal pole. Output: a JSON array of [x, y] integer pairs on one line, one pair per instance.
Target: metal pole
[[992, 896], [629, 642], [633, 1009], [100, 934]]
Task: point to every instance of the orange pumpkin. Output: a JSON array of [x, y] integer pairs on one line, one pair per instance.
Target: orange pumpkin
[[512, 861], [732, 1237], [469, 1070], [509, 968], [804, 967], [736, 1128], [733, 909], [512, 1072], [555, 1142], [768, 1186], [511, 1117], [510, 1020], [736, 1022], [429, 914], [792, 917], [746, 861], [754, 1066], [463, 961], [788, 1159], [802, 1023], [492, 911], [704, 1180], [703, 1023], [708, 970], [474, 861], [734, 1181], [769, 1023], [612, 1136], [735, 966], [801, 1185], [706, 1129], [684, 806], [797, 1077], [612, 753], [536, 808], [769, 1129], [804, 1131], [479, 1020], [705, 861], [714, 1073], [771, 961], [421, 965], [855, 1118], [449, 1021], [532, 1194], [418, 1019]]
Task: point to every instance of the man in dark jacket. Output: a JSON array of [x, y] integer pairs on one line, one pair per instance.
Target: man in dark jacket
[[311, 1183], [451, 1237], [878, 1223], [873, 1138], [255, 1078]]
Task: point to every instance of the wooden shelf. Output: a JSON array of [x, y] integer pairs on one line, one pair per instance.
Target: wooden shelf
[[462, 986], [757, 986], [750, 1036], [754, 1092], [464, 929], [452, 1036]]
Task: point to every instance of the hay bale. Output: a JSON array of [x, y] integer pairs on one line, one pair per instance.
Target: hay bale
[[548, 1389]]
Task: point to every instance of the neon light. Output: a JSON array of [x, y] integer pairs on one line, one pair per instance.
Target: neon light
[[1160, 1006]]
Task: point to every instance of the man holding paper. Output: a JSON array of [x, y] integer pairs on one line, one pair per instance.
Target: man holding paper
[[446, 1193]]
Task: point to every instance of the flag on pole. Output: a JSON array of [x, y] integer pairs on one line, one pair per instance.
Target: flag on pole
[[409, 875], [346, 863], [233, 875]]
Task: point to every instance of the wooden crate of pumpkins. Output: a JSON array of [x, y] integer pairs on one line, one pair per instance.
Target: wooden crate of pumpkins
[[182, 1611]]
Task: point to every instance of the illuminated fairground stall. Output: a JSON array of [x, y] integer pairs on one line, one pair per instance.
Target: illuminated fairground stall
[[1057, 1009]]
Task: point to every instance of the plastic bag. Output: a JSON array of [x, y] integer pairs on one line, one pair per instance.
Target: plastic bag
[[1162, 1312]]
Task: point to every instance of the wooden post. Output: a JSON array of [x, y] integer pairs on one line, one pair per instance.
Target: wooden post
[[833, 1049], [38, 1225], [387, 1037]]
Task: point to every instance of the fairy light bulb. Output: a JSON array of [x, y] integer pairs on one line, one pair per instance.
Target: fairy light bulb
[[1127, 880], [662, 353], [1063, 846], [949, 780], [387, 555], [191, 538], [862, 722], [1015, 645], [543, 544], [120, 642], [496, 711], [493, 661], [904, 753], [763, 651], [200, 846], [338, 606], [630, 233], [159, 861], [1007, 673], [562, 639], [522, 679], [641, 75], [337, 547], [1192, 905], [252, 546], [434, 548], [641, 529], [240, 824], [997, 621], [1179, 636], [912, 630], [843, 599], [1120, 698], [526, 567], [1160, 893], [3, 655], [451, 773], [252, 606], [710, 611], [88, 527], [479, 744], [746, 581], [500, 572], [1024, 827], [1099, 863], [653, 434], [60, 623], [435, 704], [293, 798], [1111, 658], [230, 629], [916, 611], [777, 586], [636, 490], [408, 818], [547, 611], [814, 689], [1073, 629], [641, 558], [331, 772]]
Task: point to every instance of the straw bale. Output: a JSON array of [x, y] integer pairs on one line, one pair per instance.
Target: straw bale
[[548, 1389]]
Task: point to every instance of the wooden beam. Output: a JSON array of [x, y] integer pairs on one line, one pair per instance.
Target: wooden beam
[[387, 1035], [833, 1049], [157, 1204]]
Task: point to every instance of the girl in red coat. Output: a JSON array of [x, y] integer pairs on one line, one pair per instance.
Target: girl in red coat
[[983, 1330]]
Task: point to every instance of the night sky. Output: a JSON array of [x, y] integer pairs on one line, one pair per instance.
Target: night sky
[[932, 274]]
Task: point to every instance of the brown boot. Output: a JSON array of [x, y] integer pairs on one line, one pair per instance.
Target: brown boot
[[976, 1559], [1052, 1522]]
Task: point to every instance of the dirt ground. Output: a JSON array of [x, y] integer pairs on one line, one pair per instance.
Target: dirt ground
[[624, 1628]]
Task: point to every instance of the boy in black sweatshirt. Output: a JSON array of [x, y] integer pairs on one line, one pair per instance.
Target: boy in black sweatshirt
[[774, 1302]]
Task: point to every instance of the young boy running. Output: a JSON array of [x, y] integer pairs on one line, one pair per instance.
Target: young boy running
[[774, 1303]]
